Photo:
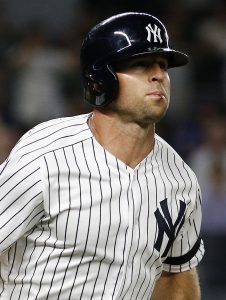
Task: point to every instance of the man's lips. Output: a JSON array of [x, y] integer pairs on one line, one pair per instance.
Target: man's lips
[[157, 95]]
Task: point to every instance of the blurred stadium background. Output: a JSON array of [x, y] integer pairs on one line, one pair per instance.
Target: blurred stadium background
[[40, 79]]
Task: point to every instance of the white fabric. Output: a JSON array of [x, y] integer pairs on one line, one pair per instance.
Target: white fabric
[[77, 223]]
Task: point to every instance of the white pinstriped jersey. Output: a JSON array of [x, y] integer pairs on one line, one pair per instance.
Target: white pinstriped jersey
[[77, 223]]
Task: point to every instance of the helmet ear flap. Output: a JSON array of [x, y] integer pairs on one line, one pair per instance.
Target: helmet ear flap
[[101, 86], [93, 88], [96, 87]]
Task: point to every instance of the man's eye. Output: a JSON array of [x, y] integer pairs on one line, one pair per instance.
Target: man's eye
[[140, 64], [163, 65], [146, 64]]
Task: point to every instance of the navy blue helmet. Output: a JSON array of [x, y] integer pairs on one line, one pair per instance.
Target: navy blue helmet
[[116, 38]]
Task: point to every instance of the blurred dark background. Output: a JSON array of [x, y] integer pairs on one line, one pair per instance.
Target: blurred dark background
[[40, 79]]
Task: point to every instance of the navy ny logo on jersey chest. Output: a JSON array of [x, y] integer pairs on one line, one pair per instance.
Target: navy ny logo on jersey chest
[[166, 225]]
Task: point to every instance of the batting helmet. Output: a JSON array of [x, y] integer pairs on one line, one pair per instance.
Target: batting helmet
[[122, 36]]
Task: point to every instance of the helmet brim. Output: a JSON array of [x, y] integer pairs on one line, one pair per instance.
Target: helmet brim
[[174, 58]]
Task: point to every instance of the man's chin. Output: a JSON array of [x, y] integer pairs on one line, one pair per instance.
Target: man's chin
[[147, 121]]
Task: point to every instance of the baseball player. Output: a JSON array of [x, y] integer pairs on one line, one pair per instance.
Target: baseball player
[[98, 206]]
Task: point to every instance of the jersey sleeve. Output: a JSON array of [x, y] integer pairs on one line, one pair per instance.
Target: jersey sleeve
[[188, 248], [21, 204]]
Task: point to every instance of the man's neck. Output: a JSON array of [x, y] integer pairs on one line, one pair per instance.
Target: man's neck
[[127, 141]]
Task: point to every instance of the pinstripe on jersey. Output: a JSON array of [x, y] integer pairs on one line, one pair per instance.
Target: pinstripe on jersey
[[77, 223]]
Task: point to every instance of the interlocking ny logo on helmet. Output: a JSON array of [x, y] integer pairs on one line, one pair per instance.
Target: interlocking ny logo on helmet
[[155, 32], [116, 38]]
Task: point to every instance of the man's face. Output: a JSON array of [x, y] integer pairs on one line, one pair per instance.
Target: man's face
[[144, 89]]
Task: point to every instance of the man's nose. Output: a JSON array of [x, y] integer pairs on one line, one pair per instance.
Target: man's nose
[[156, 73]]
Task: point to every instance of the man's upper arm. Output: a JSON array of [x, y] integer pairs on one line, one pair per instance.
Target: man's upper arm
[[187, 249], [20, 199]]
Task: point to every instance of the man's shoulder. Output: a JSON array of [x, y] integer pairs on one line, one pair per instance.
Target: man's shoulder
[[52, 135], [173, 157], [166, 146], [59, 125]]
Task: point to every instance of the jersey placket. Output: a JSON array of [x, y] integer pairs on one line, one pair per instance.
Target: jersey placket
[[132, 238]]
